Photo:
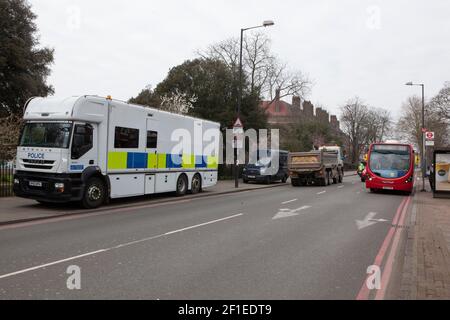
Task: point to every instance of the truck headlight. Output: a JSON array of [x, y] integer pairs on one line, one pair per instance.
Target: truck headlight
[[59, 187]]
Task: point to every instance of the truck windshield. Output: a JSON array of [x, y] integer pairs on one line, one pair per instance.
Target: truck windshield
[[390, 161], [46, 134]]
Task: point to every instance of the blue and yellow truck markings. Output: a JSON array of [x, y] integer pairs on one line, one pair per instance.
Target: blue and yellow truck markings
[[139, 160]]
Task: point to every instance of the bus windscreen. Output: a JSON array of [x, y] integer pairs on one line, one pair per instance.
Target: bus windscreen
[[390, 161]]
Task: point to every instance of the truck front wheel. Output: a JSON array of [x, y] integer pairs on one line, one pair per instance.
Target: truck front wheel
[[94, 193], [182, 185]]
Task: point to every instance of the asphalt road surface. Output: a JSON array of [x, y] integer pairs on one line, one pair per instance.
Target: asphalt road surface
[[278, 243]]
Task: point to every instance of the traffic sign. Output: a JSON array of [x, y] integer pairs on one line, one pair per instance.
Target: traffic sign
[[238, 123], [429, 135]]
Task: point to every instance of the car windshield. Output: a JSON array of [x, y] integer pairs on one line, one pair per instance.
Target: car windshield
[[263, 162], [46, 134], [390, 162]]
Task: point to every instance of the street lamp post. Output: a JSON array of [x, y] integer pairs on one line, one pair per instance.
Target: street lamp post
[[424, 159], [266, 23]]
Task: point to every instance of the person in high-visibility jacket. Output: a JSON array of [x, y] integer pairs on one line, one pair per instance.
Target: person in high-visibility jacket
[[360, 171]]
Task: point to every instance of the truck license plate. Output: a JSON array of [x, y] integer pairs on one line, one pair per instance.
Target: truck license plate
[[252, 177], [388, 188], [35, 184]]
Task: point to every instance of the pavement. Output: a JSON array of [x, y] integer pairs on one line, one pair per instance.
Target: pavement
[[426, 267], [269, 243]]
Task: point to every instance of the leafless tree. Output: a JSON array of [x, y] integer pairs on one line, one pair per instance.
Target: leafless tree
[[410, 123], [9, 136], [441, 102], [354, 123], [379, 125], [264, 71], [177, 102]]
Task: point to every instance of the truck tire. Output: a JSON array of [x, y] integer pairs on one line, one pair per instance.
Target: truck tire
[[182, 185], [196, 184], [295, 182], [94, 193]]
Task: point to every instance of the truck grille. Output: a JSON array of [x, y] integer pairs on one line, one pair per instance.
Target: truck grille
[[38, 164]]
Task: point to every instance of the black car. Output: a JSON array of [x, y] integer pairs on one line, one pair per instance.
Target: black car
[[265, 170]]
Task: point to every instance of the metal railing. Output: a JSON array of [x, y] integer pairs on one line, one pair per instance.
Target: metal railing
[[6, 179]]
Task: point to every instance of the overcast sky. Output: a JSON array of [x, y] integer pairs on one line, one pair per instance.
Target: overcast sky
[[348, 47]]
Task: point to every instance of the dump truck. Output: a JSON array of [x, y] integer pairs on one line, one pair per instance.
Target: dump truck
[[317, 167]]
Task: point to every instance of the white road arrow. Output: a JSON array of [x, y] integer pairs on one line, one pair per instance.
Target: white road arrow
[[284, 213], [368, 221]]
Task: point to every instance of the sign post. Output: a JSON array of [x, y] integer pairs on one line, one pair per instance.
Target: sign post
[[238, 142]]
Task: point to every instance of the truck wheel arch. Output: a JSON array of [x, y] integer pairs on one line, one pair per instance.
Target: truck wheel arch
[[90, 172]]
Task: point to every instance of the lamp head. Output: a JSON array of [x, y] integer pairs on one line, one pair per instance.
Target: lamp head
[[268, 23], [409, 83]]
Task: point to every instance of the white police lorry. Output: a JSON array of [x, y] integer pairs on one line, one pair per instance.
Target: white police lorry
[[91, 149]]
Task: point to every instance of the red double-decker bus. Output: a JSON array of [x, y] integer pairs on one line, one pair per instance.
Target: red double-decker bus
[[390, 166]]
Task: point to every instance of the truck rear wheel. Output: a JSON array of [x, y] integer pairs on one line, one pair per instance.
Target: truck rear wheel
[[295, 182], [196, 186], [94, 193]]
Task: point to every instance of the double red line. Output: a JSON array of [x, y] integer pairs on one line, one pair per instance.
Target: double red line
[[391, 240]]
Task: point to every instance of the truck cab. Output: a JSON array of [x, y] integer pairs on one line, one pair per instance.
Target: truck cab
[[59, 149]]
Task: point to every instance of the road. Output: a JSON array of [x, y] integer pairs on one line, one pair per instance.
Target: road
[[278, 243]]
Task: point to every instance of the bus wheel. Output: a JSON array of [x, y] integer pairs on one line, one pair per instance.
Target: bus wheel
[[181, 185], [196, 184], [94, 193]]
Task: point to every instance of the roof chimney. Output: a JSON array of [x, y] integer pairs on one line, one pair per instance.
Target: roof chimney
[[277, 94]]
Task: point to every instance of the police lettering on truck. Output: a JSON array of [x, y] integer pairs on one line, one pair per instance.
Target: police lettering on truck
[[91, 149]]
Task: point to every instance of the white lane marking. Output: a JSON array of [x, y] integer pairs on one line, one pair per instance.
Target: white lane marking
[[322, 192], [340, 187], [50, 264], [284, 213], [289, 201], [368, 221], [115, 247], [203, 224]]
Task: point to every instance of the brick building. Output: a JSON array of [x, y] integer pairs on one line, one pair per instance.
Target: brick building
[[280, 112]]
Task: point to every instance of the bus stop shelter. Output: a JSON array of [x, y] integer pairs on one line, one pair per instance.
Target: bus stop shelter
[[440, 173]]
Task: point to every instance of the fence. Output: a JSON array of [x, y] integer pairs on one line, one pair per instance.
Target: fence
[[6, 179]]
